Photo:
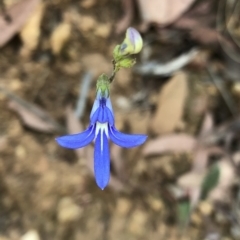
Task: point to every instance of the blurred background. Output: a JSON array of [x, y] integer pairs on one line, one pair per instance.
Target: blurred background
[[184, 93]]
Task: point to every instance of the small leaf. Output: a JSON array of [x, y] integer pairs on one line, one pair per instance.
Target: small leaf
[[226, 180], [207, 124], [163, 11], [177, 143], [210, 181], [183, 212], [171, 104], [19, 14], [34, 117], [200, 159]]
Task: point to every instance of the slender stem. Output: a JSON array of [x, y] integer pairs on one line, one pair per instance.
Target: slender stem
[[111, 78]]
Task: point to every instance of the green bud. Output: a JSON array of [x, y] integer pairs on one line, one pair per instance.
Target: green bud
[[103, 85], [132, 43], [125, 63], [116, 54]]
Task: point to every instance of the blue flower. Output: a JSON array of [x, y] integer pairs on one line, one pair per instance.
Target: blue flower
[[100, 130]]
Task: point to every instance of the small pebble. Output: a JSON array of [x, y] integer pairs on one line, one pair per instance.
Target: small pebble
[[155, 203], [123, 206], [68, 211], [205, 208], [138, 222], [31, 235], [103, 30], [88, 3]]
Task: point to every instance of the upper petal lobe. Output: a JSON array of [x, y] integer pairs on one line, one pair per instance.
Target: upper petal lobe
[[103, 114]]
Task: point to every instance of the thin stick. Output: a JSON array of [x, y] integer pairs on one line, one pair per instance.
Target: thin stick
[[226, 97], [83, 93]]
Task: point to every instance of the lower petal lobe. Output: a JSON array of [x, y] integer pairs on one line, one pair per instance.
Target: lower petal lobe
[[79, 140], [126, 140], [102, 160]]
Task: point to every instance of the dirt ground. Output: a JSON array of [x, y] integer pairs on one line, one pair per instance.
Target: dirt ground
[[48, 192]]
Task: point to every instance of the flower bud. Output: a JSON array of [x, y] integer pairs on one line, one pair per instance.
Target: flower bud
[[132, 43], [103, 86], [125, 63]]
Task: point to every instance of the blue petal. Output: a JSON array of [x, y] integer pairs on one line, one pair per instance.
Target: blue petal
[[102, 160], [96, 105], [79, 140], [109, 105], [102, 115], [126, 140]]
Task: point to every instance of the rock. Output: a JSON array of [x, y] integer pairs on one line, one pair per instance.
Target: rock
[[103, 30], [20, 152], [86, 23], [31, 235], [15, 85], [205, 208], [138, 222], [88, 3], [68, 211], [196, 219], [155, 203], [123, 206], [60, 36]]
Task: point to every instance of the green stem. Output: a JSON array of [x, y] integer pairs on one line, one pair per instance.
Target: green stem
[[115, 70]]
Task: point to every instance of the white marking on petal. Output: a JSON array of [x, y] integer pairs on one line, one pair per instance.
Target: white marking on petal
[[103, 127]]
